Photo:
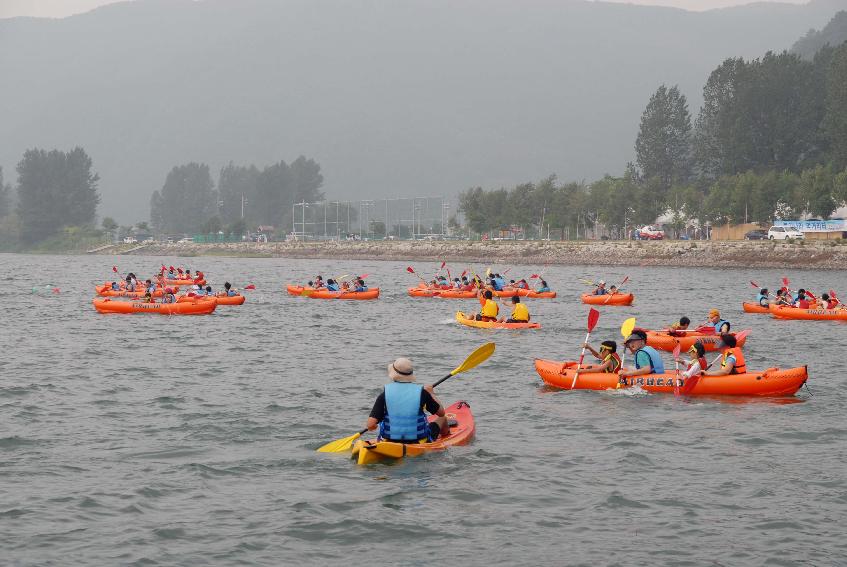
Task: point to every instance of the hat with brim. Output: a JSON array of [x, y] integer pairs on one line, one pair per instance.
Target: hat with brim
[[401, 370], [633, 337]]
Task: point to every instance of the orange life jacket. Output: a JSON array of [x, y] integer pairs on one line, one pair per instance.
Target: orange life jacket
[[740, 366]]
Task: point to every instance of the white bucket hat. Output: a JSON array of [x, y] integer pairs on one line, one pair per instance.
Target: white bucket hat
[[401, 370]]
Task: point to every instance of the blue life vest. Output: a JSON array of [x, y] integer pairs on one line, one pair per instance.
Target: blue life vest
[[200, 292], [360, 288], [115, 286], [763, 300], [599, 291], [658, 367], [152, 289], [543, 289], [169, 298], [231, 293], [404, 418], [720, 324], [332, 287], [499, 283]]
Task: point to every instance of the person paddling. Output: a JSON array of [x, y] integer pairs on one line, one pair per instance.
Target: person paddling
[[782, 298], [802, 301], [490, 309], [520, 314], [229, 291], [360, 285], [331, 285], [698, 363], [681, 325], [601, 288], [544, 288], [732, 360], [763, 299], [399, 411], [169, 296], [647, 359], [610, 360], [828, 302], [716, 323]]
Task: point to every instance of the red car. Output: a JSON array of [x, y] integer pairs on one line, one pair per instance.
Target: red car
[[650, 232]]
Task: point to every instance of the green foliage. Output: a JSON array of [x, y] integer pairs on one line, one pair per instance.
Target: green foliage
[[833, 35], [109, 224], [236, 187], [663, 146], [186, 201], [835, 120], [5, 197], [238, 227], [55, 189]]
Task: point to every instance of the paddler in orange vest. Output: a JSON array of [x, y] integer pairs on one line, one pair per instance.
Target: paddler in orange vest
[[608, 356], [520, 314], [490, 310], [732, 361]]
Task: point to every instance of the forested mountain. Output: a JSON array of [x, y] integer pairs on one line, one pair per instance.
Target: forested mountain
[[833, 34], [391, 98]]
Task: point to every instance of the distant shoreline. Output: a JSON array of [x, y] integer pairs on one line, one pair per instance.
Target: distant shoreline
[[822, 254]]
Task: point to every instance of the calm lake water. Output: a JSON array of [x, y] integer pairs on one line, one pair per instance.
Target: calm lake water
[[146, 440]]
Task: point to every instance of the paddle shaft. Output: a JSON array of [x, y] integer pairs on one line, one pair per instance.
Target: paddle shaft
[[581, 358]]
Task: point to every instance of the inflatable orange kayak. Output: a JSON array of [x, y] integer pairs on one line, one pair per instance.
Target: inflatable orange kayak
[[463, 319], [531, 294], [786, 312], [323, 293], [770, 382], [443, 293], [367, 452], [608, 299], [219, 299], [664, 340], [198, 307], [754, 308]]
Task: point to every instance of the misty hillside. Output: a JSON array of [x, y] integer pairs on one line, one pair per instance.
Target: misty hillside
[[390, 97], [833, 34]]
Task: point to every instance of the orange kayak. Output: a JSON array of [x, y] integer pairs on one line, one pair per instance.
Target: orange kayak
[[770, 382], [367, 452], [663, 340], [531, 294], [463, 319], [608, 299], [198, 307], [443, 293], [754, 308], [219, 299], [785, 312], [302, 291]]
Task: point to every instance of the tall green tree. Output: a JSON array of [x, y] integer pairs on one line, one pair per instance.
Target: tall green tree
[[663, 146], [55, 189], [717, 125], [834, 124], [5, 196], [188, 199], [237, 187]]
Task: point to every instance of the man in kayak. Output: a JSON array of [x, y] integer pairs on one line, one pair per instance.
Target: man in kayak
[[601, 288], [490, 310], [715, 322], [520, 314], [399, 409], [608, 356], [732, 361], [647, 359], [681, 325]]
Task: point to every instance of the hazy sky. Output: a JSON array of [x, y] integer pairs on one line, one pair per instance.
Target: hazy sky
[[61, 8]]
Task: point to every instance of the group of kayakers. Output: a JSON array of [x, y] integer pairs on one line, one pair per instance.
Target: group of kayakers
[[355, 284], [493, 281], [600, 289], [490, 310], [802, 299], [162, 285]]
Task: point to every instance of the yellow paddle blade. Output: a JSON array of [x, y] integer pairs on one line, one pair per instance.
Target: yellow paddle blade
[[627, 327], [306, 292], [476, 358], [488, 273], [339, 445]]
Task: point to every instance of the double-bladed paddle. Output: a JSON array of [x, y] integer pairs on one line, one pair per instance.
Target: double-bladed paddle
[[476, 358], [676, 350], [593, 317]]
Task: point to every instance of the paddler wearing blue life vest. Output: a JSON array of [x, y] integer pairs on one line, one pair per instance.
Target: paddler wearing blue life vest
[[399, 410], [647, 359], [763, 299], [601, 288], [715, 321]]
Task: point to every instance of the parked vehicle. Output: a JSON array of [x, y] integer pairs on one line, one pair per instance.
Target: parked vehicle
[[784, 232], [756, 235], [651, 232], [130, 240]]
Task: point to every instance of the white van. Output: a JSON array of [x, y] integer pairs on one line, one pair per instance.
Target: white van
[[783, 232]]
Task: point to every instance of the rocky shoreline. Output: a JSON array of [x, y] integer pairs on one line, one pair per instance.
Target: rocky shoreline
[[820, 254]]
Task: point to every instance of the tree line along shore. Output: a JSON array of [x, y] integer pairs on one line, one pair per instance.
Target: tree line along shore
[[827, 255]]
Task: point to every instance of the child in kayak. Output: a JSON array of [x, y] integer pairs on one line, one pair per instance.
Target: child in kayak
[[763, 299], [828, 302], [399, 409], [732, 361], [520, 314], [782, 298], [681, 325], [490, 310], [360, 286], [331, 285], [802, 301], [169, 296], [698, 363], [228, 291], [608, 356], [544, 287]]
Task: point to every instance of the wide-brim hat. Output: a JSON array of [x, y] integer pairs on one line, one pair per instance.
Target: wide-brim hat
[[401, 370]]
